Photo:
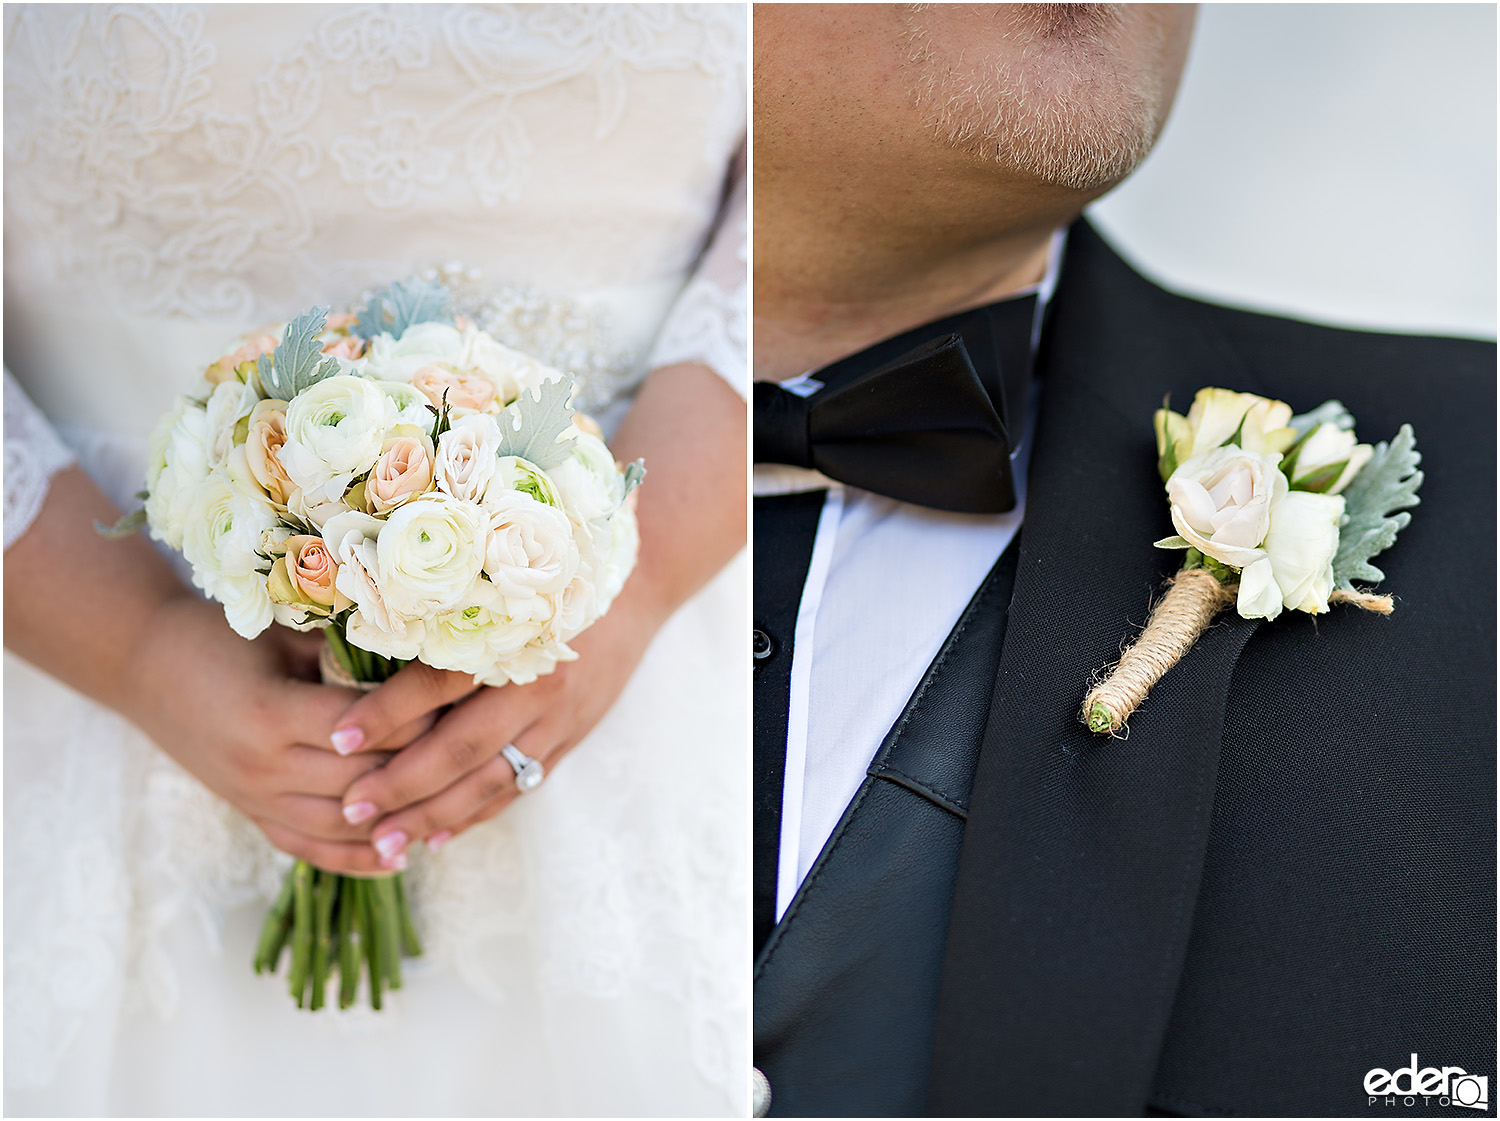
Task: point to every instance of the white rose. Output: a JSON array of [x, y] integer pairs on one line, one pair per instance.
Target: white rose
[[1325, 447], [485, 627], [429, 552], [177, 461], [575, 608], [225, 531], [588, 482], [352, 538], [1221, 503], [1303, 538], [467, 455], [334, 430], [529, 547]]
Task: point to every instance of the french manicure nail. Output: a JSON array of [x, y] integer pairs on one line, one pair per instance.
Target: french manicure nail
[[356, 812], [346, 740], [391, 844], [439, 839], [395, 863]]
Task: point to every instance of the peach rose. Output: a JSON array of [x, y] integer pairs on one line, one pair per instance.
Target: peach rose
[[262, 447], [304, 579], [465, 390], [403, 471], [342, 321], [262, 342], [349, 347]]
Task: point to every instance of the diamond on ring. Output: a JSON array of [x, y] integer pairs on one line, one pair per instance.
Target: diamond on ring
[[529, 773]]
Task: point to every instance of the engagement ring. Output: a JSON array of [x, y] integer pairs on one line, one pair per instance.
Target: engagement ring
[[529, 773]]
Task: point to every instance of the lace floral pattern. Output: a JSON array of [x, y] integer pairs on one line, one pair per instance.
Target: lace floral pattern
[[178, 175], [710, 320], [33, 454]]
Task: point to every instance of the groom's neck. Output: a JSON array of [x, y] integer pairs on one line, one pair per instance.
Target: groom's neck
[[842, 264]]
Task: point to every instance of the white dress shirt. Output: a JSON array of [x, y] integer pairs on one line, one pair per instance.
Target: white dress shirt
[[887, 582]]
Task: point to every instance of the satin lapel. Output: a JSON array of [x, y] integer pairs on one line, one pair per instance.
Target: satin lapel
[[1082, 855]]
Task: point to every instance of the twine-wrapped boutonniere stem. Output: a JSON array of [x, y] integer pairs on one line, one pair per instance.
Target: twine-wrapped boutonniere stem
[[1178, 619], [1275, 512]]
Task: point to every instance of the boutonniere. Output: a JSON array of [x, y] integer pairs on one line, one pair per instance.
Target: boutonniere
[[1274, 512]]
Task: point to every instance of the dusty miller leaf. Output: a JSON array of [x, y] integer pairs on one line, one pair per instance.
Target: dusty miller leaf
[[128, 524], [1384, 485], [298, 361], [403, 304], [1329, 412], [532, 427], [635, 475]]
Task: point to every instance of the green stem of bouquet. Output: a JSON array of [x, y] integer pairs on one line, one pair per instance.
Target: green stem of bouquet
[[333, 921]]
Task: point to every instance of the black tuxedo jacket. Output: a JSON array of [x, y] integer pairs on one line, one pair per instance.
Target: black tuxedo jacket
[[1284, 877]]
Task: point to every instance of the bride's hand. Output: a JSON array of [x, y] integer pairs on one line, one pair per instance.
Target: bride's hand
[[690, 427], [454, 776], [250, 721], [111, 619]]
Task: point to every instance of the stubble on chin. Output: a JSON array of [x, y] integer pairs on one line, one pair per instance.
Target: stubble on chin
[[1049, 91]]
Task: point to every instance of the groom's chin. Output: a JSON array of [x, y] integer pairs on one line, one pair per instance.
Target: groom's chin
[[1063, 96]]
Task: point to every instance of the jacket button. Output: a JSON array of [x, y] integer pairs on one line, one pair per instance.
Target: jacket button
[[761, 1096], [761, 646]]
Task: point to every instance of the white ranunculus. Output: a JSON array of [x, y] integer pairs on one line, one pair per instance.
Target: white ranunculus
[[429, 552], [485, 627], [1221, 502], [422, 344], [508, 370], [529, 546], [533, 660], [467, 455], [1303, 538], [229, 403], [404, 642], [1326, 446], [410, 403], [177, 462], [588, 482], [514, 473], [225, 532], [334, 430], [617, 563]]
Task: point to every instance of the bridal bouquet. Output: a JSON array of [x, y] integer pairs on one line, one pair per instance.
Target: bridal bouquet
[[416, 490]]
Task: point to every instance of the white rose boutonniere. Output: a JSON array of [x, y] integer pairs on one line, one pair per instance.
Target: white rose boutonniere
[[1275, 513]]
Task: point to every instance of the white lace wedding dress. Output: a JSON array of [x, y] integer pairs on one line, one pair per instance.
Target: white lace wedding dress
[[176, 175]]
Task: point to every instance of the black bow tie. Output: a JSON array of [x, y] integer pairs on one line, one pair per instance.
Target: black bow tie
[[921, 428]]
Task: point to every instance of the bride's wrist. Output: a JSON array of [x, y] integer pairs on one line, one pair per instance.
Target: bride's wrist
[[146, 683]]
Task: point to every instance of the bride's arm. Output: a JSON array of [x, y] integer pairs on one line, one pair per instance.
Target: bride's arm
[[111, 620], [688, 422]]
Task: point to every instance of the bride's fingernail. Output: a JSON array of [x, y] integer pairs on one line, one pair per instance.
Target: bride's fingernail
[[395, 863], [346, 740], [439, 839], [391, 844], [360, 811]]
